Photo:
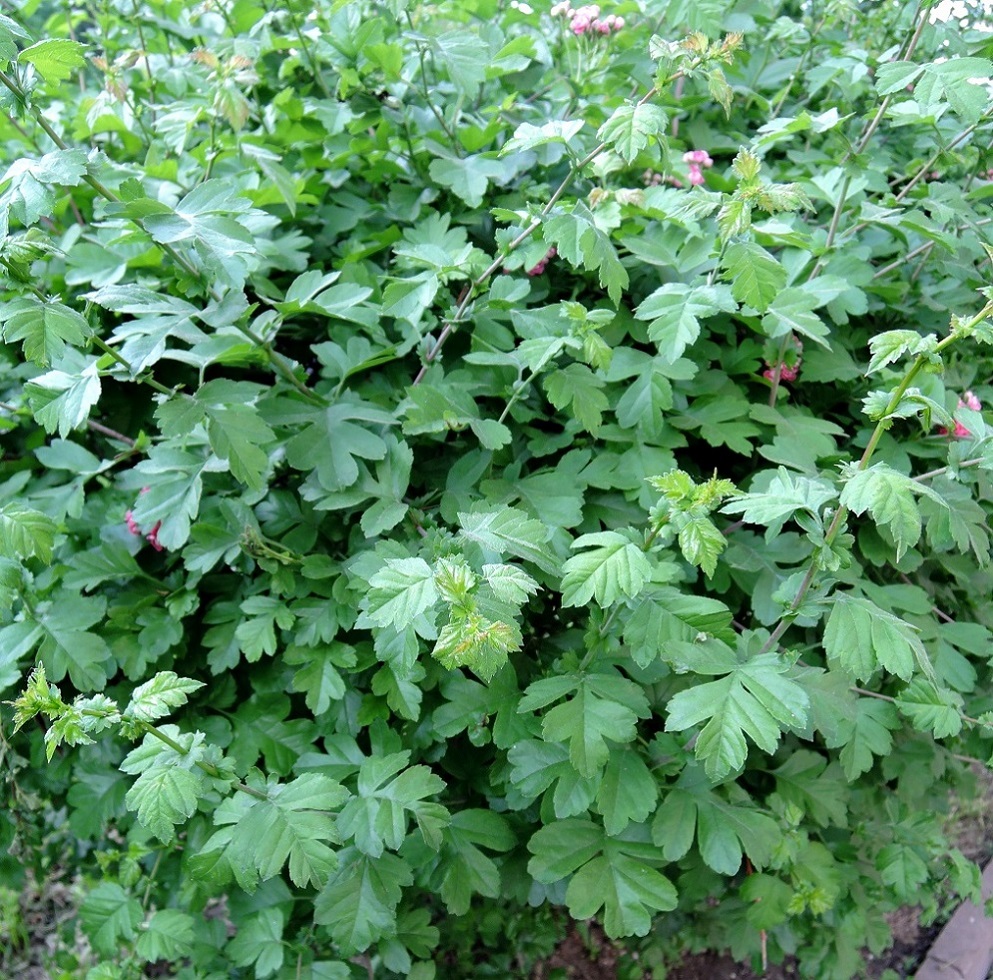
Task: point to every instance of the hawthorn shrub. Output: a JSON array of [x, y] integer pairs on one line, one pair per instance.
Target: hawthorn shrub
[[474, 464]]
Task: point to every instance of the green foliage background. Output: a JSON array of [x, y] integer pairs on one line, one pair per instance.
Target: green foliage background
[[445, 586]]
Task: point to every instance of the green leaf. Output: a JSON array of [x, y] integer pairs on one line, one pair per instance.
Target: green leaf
[[163, 797], [169, 783], [400, 592], [295, 826], [54, 58], [259, 941], [754, 699], [256, 634], [96, 797], [785, 494], [646, 400], [68, 646], [806, 780], [931, 709], [508, 531], [481, 644], [599, 712], [237, 434], [154, 319], [889, 497], [890, 346], [527, 136], [756, 277], [358, 904], [26, 533], [61, 400], [612, 568], [467, 177], [44, 328], [30, 195], [701, 542], [581, 242], [205, 221], [157, 697], [109, 917], [510, 583], [10, 33], [377, 816], [661, 616], [724, 831], [615, 874], [628, 791], [465, 56], [631, 127], [167, 935], [941, 82], [860, 638], [675, 311], [867, 735], [904, 869], [332, 441], [467, 871], [578, 387], [319, 678], [792, 312]]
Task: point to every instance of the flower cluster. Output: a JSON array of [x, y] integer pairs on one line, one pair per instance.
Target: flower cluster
[[153, 536], [538, 269], [971, 402], [789, 367], [587, 19], [652, 178], [697, 159]]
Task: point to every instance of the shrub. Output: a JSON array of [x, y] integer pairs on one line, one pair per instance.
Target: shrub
[[468, 461]]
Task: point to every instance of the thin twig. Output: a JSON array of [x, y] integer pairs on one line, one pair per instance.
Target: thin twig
[[469, 292]]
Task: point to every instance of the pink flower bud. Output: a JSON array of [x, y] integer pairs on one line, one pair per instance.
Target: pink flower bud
[[699, 157], [971, 401], [153, 537], [787, 372], [696, 176], [131, 523]]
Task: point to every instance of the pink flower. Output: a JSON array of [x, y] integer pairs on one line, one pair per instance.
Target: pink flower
[[539, 268], [153, 536], [787, 372], [699, 157], [587, 19], [696, 177], [973, 404]]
